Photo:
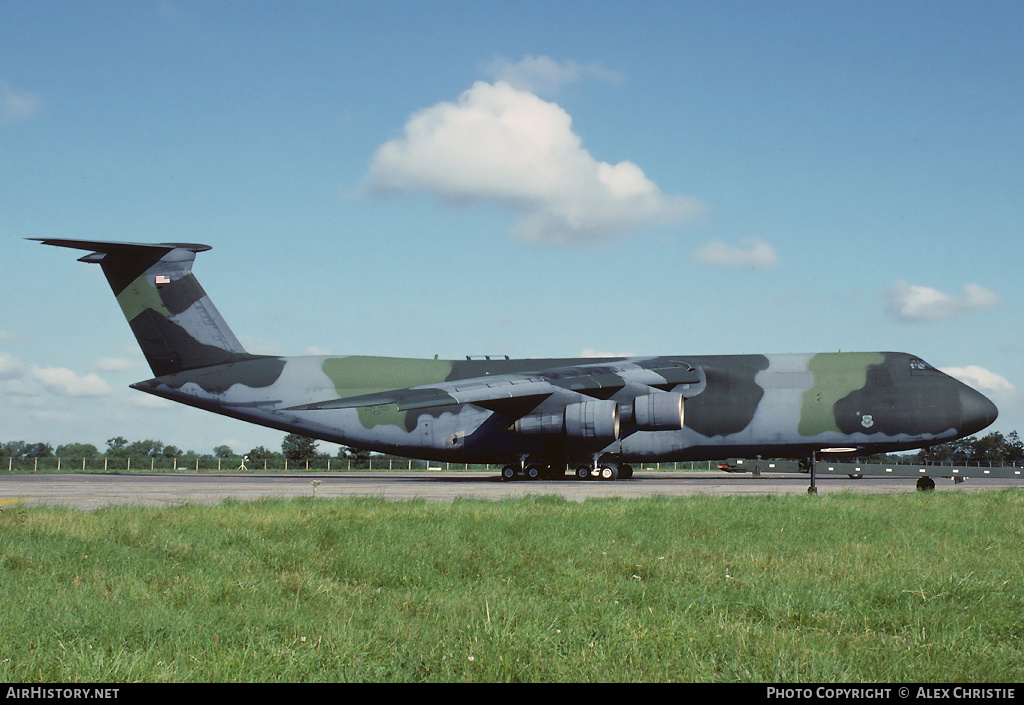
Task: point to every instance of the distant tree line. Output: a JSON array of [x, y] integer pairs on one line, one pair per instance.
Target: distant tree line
[[294, 448], [992, 449], [116, 448]]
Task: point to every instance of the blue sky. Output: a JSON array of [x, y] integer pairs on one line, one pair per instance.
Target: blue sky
[[525, 178]]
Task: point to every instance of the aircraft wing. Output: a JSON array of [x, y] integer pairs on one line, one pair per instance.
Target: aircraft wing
[[515, 395], [489, 393]]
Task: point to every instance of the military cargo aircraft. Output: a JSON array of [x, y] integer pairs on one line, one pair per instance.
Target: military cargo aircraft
[[536, 417]]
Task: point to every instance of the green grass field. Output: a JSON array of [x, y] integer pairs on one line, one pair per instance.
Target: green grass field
[[917, 587]]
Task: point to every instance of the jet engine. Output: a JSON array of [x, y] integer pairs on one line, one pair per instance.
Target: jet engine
[[600, 420], [540, 424], [657, 412], [592, 419], [596, 420]]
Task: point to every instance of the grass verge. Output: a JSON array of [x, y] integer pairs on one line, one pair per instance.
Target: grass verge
[[923, 587]]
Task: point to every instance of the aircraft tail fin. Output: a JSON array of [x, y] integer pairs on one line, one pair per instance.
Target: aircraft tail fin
[[176, 324]]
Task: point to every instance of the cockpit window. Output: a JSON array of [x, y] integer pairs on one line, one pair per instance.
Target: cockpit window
[[919, 366]]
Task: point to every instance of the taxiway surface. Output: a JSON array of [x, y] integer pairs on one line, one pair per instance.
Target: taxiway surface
[[92, 491]]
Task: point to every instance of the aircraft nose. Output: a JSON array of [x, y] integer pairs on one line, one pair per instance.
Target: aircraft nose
[[976, 411]]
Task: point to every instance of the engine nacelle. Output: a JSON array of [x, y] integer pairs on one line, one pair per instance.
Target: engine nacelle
[[540, 424], [662, 411], [588, 420], [597, 420]]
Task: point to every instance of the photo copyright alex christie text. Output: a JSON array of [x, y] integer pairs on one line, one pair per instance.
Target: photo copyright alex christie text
[[922, 692]]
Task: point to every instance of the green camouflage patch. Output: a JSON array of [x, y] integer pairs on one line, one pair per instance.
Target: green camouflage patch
[[356, 375], [138, 296], [836, 375]]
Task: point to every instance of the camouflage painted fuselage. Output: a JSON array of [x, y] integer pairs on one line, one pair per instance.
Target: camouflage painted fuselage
[[769, 405], [547, 411]]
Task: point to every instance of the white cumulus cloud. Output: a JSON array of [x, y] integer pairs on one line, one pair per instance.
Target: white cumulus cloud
[[20, 379], [17, 106], [113, 364], [64, 382], [983, 380], [753, 253], [911, 302], [544, 75], [594, 352], [501, 144]]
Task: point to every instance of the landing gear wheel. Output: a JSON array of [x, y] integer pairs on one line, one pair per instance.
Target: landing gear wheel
[[533, 472], [925, 484], [625, 472], [508, 473], [609, 472], [583, 472]]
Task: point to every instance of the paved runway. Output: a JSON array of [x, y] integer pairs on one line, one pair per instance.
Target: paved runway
[[91, 491]]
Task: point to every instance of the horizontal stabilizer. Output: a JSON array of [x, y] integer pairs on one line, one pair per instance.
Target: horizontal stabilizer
[[122, 248], [175, 323]]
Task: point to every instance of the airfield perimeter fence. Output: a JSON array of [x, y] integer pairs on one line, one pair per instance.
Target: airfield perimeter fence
[[234, 464], [203, 464], [209, 463]]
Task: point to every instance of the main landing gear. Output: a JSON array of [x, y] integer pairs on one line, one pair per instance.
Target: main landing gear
[[532, 471], [594, 471], [604, 471]]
